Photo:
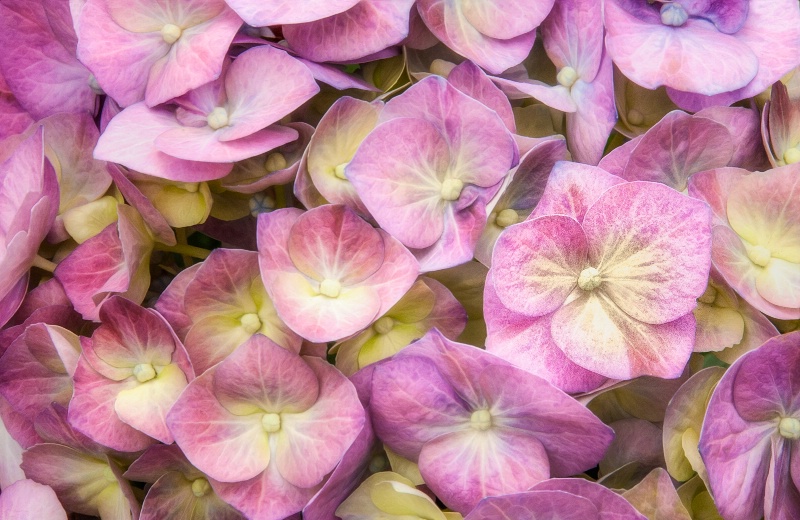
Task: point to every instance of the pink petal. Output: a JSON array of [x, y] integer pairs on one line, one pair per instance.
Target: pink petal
[[130, 139], [368, 27], [572, 188], [693, 57], [536, 264], [250, 106], [599, 336], [28, 500], [463, 467], [668, 266], [222, 445], [573, 38], [504, 19], [535, 504], [312, 442], [204, 144], [589, 127], [472, 81], [282, 12]]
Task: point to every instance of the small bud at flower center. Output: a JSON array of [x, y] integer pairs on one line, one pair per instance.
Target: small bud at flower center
[[251, 323], [218, 118], [378, 463], [442, 67], [171, 32], [506, 218], [144, 372], [791, 156], [384, 325], [567, 77], [200, 487], [275, 161], [271, 422], [589, 279], [673, 14], [261, 203], [451, 189], [789, 428], [759, 255], [635, 117], [481, 420], [330, 288], [338, 172]]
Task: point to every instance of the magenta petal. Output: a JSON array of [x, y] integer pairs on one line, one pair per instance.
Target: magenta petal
[[536, 264], [678, 146], [462, 467], [413, 387], [535, 504]]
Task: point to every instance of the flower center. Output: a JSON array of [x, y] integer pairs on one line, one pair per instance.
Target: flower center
[[251, 323], [506, 218], [330, 288], [218, 118], [481, 420], [791, 156], [339, 171], [589, 279], [567, 77], [673, 14], [384, 325], [171, 32], [271, 422], [759, 255], [451, 189], [789, 428], [200, 487], [275, 161], [144, 372], [261, 203]]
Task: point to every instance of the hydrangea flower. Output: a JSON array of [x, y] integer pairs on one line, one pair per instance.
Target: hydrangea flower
[[604, 274], [329, 273], [749, 440], [477, 425]]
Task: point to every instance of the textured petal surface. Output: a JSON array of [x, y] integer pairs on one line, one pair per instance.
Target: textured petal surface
[[28, 500], [259, 14]]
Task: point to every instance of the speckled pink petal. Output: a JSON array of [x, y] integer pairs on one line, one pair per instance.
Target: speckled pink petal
[[462, 467], [599, 336], [572, 188], [536, 264], [368, 27], [694, 57], [669, 264]]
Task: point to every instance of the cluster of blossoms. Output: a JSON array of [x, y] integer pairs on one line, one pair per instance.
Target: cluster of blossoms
[[400, 259]]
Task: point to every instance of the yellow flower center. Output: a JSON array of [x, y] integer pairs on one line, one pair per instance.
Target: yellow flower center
[[200, 487], [589, 279], [789, 428], [330, 288], [144, 372], [506, 218], [251, 323], [481, 420], [275, 161], [567, 77], [384, 325], [759, 255], [271, 422], [171, 32], [451, 189], [218, 118]]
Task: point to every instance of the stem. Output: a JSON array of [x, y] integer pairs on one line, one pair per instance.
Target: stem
[[43, 263], [185, 249]]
